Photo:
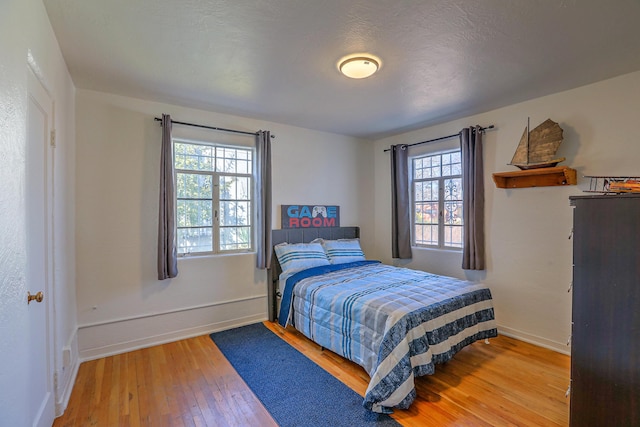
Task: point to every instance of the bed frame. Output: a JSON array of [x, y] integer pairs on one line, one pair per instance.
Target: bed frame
[[299, 235]]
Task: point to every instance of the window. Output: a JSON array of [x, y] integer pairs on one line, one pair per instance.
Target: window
[[437, 200], [214, 197]]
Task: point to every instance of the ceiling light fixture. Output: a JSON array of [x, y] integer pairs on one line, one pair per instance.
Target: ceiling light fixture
[[358, 67]]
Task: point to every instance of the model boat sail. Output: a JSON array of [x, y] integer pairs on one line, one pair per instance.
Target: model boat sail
[[537, 148]]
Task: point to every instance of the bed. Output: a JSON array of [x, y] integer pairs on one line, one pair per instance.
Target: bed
[[396, 323]]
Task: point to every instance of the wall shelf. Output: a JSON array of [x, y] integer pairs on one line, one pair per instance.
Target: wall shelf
[[544, 177]]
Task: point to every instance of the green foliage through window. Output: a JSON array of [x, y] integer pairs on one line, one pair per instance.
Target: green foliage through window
[[214, 197]]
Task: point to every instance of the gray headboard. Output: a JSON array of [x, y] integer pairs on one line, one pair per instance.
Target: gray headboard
[[299, 235]]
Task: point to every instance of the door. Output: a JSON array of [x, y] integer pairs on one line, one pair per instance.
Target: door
[[39, 378]]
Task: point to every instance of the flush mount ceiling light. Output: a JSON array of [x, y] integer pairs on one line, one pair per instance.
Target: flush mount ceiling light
[[358, 67]]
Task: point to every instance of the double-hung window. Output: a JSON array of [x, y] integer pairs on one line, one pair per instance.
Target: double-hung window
[[437, 200], [213, 197]]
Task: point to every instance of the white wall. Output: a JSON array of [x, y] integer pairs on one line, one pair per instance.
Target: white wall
[[121, 304], [25, 27], [112, 217], [529, 255]]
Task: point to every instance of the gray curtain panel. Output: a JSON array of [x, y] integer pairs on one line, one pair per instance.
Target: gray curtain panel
[[400, 203], [473, 254], [167, 250], [263, 199]]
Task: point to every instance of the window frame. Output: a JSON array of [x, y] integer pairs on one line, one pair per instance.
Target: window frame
[[215, 199], [441, 200]]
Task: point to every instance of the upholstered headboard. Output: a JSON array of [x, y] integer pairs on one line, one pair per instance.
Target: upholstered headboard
[[299, 235]]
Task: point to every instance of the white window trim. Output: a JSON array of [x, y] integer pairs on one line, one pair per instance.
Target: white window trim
[[441, 179], [215, 233]]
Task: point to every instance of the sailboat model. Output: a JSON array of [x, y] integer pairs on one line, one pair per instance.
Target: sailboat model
[[537, 148]]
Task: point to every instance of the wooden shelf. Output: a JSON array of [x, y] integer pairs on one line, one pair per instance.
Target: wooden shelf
[[544, 177]]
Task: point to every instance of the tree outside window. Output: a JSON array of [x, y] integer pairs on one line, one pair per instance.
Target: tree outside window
[[437, 200], [213, 197]]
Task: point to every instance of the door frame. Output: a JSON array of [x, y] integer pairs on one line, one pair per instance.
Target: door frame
[[38, 90]]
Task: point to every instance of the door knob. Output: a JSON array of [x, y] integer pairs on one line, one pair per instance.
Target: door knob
[[38, 297]]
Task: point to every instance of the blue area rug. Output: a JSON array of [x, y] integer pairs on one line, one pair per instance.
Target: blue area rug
[[295, 391]]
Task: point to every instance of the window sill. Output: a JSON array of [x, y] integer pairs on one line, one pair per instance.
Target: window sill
[[213, 255], [437, 249]]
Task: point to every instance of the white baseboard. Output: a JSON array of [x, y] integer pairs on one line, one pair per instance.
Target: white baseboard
[[66, 377], [65, 394], [123, 335], [535, 340]]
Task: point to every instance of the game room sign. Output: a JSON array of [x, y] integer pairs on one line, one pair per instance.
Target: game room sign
[[310, 216]]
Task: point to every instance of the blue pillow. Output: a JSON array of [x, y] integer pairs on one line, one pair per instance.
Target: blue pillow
[[343, 250], [295, 257]]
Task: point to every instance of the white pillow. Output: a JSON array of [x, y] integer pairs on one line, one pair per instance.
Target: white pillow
[[295, 257], [342, 251]]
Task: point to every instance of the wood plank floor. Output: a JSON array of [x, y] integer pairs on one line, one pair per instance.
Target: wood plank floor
[[190, 383]]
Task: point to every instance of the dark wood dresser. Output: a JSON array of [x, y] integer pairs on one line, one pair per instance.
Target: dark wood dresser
[[605, 341]]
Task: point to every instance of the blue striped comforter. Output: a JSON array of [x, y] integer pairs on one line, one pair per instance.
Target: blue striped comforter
[[395, 322]]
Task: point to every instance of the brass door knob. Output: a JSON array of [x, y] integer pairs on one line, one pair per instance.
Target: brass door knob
[[38, 297]]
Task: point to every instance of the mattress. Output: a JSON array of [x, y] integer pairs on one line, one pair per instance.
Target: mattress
[[396, 323]]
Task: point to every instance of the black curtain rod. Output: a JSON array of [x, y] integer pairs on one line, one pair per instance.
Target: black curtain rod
[[158, 119], [440, 139]]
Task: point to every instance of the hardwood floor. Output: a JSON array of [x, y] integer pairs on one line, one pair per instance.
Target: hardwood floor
[[185, 383], [190, 383], [505, 383]]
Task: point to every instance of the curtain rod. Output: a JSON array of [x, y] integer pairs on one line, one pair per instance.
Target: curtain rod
[[158, 119], [441, 138]]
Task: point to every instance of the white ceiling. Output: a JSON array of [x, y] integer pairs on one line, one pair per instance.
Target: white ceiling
[[276, 60]]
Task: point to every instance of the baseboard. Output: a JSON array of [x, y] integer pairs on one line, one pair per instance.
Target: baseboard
[[123, 335], [66, 378], [63, 401], [535, 340]]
